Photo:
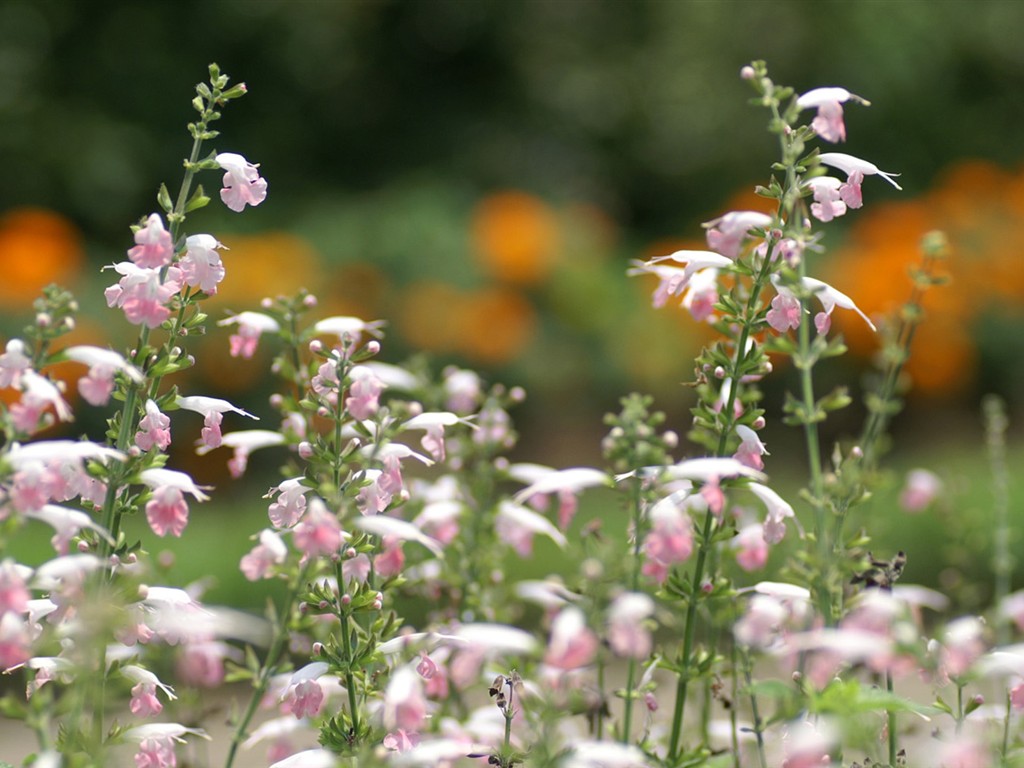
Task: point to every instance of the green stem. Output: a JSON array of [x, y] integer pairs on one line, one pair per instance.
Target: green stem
[[755, 714], [891, 720], [269, 668], [350, 681], [636, 503]]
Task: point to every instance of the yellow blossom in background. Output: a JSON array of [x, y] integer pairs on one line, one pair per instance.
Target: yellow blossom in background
[[37, 247], [981, 209], [515, 237]]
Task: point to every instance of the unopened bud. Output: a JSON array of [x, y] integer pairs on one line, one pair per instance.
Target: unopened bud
[[315, 346], [318, 648], [83, 547], [719, 372], [517, 394], [323, 605], [856, 452], [747, 73], [309, 301], [43, 320], [758, 423], [266, 302], [707, 587], [671, 439], [346, 599], [373, 347], [305, 449], [69, 323]]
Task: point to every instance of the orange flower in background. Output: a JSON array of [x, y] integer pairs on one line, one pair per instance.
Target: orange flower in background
[[490, 326], [981, 209], [37, 247], [515, 237], [268, 264]]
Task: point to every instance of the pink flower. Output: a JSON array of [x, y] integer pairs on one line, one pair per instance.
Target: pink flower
[[433, 423], [752, 549], [462, 389], [154, 429], [14, 594], [242, 182], [850, 165], [760, 624], [290, 504], [37, 395], [829, 121], [269, 552], [348, 330], [400, 741], [785, 312], [15, 641], [201, 266], [919, 490], [828, 203], [153, 248], [155, 752], [363, 393], [963, 643], [566, 483], [751, 448], [143, 294], [405, 706], [251, 325], [727, 233], [304, 697], [628, 634], [244, 442], [144, 702], [319, 533], [13, 362], [701, 295], [212, 410], [572, 644], [167, 511], [201, 664], [97, 385], [674, 279], [516, 525], [778, 511], [391, 559], [670, 540], [66, 524]]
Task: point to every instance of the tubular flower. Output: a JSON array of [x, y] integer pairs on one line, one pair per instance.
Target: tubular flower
[[201, 266], [242, 182], [829, 122], [727, 233], [153, 248], [251, 325]]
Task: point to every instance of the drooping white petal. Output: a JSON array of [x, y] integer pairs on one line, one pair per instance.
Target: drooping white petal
[[160, 477], [382, 525], [108, 358], [849, 164]]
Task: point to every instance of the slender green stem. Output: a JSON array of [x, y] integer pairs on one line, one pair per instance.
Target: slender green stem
[[755, 714], [350, 680], [269, 668], [891, 721], [994, 410], [636, 504]]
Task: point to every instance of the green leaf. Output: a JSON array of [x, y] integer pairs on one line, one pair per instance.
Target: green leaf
[[197, 201], [163, 198]]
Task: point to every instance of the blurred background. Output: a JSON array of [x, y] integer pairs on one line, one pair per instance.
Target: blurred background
[[480, 172]]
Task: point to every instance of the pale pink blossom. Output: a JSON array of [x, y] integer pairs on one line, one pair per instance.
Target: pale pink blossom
[[167, 511], [440, 520], [463, 390], [356, 569], [144, 294], [14, 594], [363, 393], [144, 701], [201, 664], [319, 533], [701, 295], [154, 429], [751, 547], [828, 203], [405, 705], [269, 552], [963, 643], [572, 644], [303, 697], [433, 423], [516, 526], [919, 490], [785, 312], [831, 298], [201, 266], [778, 511], [212, 409], [628, 634], [565, 483], [400, 741], [290, 504], [670, 539], [15, 640], [308, 758], [66, 523], [97, 385], [13, 362], [243, 184], [390, 561], [849, 165], [153, 248], [751, 448], [674, 279], [828, 123], [726, 234], [156, 743], [251, 325], [348, 330], [385, 526], [761, 623], [38, 394], [244, 442], [808, 744]]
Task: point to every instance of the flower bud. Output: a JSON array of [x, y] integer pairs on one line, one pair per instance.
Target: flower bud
[[305, 449], [266, 302], [758, 423], [315, 346], [373, 347], [309, 301], [747, 73]]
